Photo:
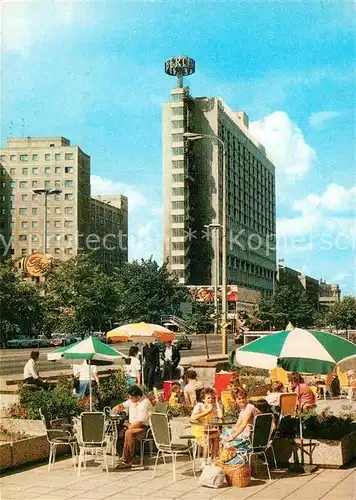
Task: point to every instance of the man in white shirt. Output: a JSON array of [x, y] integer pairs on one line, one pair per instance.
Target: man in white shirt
[[171, 358], [138, 408], [30, 372], [85, 373]]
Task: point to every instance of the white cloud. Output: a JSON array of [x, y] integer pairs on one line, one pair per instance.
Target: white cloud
[[319, 118], [157, 210], [285, 141], [335, 198], [100, 185], [294, 226]]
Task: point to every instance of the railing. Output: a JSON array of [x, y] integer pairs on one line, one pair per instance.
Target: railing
[[175, 320]]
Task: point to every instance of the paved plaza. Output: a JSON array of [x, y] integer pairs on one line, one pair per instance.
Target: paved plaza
[[61, 483]]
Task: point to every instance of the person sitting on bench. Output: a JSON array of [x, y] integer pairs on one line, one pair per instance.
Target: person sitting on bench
[[31, 374]]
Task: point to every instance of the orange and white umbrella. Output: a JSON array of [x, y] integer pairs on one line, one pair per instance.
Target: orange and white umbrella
[[140, 333]]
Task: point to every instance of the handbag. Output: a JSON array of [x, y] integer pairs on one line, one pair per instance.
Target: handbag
[[212, 476]]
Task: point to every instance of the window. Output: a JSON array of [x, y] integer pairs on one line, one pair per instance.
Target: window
[[178, 177], [23, 157], [3, 184], [57, 251], [12, 197], [2, 197], [12, 157], [57, 237], [68, 156], [68, 237], [35, 171], [22, 237], [24, 171], [178, 259], [177, 97], [47, 184], [68, 196], [178, 164], [47, 157], [35, 157], [12, 171], [178, 151], [68, 170], [57, 197], [34, 184], [177, 204], [57, 223], [24, 197], [34, 224], [178, 111], [68, 210], [35, 211], [57, 156], [68, 183], [47, 170], [68, 251], [177, 218], [23, 184], [34, 237], [24, 224], [57, 184], [177, 137], [23, 251], [178, 245], [12, 184], [2, 157], [57, 170], [178, 191], [178, 232], [178, 124], [68, 223], [57, 210]]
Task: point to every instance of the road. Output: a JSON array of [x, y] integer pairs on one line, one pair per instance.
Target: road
[[12, 360]]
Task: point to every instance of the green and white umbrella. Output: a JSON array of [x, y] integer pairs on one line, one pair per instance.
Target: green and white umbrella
[[90, 349], [296, 350]]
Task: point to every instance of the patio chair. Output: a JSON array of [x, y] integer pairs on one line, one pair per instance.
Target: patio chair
[[92, 437], [161, 407], [288, 404], [262, 439], [162, 436], [57, 436]]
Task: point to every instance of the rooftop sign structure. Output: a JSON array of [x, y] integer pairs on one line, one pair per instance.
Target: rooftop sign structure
[[179, 66]]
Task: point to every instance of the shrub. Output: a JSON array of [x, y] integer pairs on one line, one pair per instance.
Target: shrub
[[326, 425], [111, 391]]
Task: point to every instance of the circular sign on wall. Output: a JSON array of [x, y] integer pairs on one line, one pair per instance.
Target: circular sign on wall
[[37, 264]]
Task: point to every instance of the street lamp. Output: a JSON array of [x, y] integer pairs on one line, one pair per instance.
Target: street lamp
[[191, 136], [217, 228], [46, 193]]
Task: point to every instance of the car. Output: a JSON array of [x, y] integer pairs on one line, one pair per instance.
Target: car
[[182, 341]]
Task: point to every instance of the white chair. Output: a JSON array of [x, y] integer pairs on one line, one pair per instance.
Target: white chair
[[91, 437], [162, 436]]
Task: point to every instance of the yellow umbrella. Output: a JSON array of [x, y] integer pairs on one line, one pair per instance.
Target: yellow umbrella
[[140, 333]]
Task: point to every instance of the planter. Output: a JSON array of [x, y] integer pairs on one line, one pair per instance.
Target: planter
[[327, 453], [5, 456], [29, 450], [29, 427]]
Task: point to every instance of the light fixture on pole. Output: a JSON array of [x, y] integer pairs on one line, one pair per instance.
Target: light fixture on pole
[[46, 193], [191, 136], [216, 228]]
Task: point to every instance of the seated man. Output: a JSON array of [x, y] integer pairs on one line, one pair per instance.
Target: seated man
[[138, 407], [31, 374]]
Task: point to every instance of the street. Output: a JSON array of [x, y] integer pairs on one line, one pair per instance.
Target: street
[[12, 360]]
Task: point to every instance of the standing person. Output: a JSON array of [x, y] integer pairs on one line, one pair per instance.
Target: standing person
[[151, 363], [138, 407], [31, 374], [171, 358], [133, 367], [86, 374]]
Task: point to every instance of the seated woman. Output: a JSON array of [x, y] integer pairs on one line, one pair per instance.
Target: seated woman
[[274, 396], [305, 396], [202, 413], [238, 437]]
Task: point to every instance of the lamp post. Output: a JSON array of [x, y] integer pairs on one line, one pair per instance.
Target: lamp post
[[46, 193], [191, 136], [216, 228]]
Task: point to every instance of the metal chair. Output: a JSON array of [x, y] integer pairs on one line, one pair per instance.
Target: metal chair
[[262, 439], [162, 436], [56, 437], [92, 437]]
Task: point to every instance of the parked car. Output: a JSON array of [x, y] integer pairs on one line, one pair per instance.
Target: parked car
[[182, 341]]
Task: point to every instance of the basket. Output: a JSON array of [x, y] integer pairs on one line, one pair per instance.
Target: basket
[[236, 475]]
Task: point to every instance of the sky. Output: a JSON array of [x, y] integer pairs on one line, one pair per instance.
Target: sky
[[93, 72]]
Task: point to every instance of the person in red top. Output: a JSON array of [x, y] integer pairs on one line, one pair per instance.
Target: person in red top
[[305, 396]]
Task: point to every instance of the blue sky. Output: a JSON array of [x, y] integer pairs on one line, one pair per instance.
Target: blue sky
[[93, 72]]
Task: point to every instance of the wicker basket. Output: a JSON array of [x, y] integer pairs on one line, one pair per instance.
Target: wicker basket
[[236, 475]]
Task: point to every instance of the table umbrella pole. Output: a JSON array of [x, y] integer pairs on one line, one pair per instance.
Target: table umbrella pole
[[90, 389]]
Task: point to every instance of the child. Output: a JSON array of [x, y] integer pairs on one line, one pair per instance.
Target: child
[[206, 437], [177, 397]]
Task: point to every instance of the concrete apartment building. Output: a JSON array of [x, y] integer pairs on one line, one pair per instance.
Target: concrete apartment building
[[192, 172], [48, 163]]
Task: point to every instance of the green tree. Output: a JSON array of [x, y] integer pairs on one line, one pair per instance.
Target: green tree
[[146, 291], [80, 297], [342, 314], [201, 321]]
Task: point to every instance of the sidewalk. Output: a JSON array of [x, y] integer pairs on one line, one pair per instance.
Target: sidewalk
[[61, 483]]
